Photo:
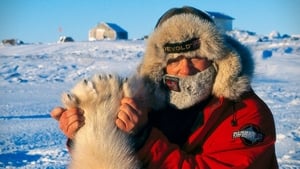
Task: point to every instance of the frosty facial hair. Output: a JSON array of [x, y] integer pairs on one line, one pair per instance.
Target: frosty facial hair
[[187, 91]]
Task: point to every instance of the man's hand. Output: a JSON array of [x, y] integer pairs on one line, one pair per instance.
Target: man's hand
[[132, 115], [70, 120]]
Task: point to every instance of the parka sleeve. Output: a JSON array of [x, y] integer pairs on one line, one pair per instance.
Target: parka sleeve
[[159, 153], [221, 150]]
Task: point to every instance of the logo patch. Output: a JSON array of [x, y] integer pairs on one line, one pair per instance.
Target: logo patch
[[186, 46], [250, 135]]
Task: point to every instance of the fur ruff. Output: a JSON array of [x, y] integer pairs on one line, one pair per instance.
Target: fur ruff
[[233, 60], [99, 144]]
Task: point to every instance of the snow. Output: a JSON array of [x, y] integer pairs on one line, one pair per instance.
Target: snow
[[33, 76]]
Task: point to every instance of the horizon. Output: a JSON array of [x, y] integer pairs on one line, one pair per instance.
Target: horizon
[[35, 21]]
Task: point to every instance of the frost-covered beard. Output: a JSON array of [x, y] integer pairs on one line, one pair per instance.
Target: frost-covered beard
[[187, 91]]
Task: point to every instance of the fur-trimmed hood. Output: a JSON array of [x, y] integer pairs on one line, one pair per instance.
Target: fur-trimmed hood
[[232, 60]]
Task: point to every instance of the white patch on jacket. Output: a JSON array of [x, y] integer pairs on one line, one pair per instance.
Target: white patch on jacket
[[99, 143]]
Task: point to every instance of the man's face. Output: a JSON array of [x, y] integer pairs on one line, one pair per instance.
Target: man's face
[[189, 80], [182, 66]]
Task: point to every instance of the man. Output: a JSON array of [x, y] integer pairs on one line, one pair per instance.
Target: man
[[204, 113]]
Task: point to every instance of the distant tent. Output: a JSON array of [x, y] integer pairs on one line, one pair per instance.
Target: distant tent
[[224, 22], [63, 39], [107, 30], [12, 42]]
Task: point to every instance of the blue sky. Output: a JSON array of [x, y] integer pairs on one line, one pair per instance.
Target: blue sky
[[45, 20]]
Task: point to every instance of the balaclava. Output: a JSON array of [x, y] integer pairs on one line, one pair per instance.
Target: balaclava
[[185, 92]]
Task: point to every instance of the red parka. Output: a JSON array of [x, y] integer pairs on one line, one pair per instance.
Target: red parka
[[236, 129], [232, 134]]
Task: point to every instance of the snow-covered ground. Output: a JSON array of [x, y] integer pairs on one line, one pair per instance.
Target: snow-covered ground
[[33, 76]]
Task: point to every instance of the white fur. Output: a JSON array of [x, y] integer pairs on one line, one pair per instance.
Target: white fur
[[233, 60], [99, 143]]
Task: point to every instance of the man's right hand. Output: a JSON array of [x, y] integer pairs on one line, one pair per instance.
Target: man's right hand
[[70, 120]]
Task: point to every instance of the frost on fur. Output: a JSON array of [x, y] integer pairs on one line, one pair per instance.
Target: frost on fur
[[99, 143]]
